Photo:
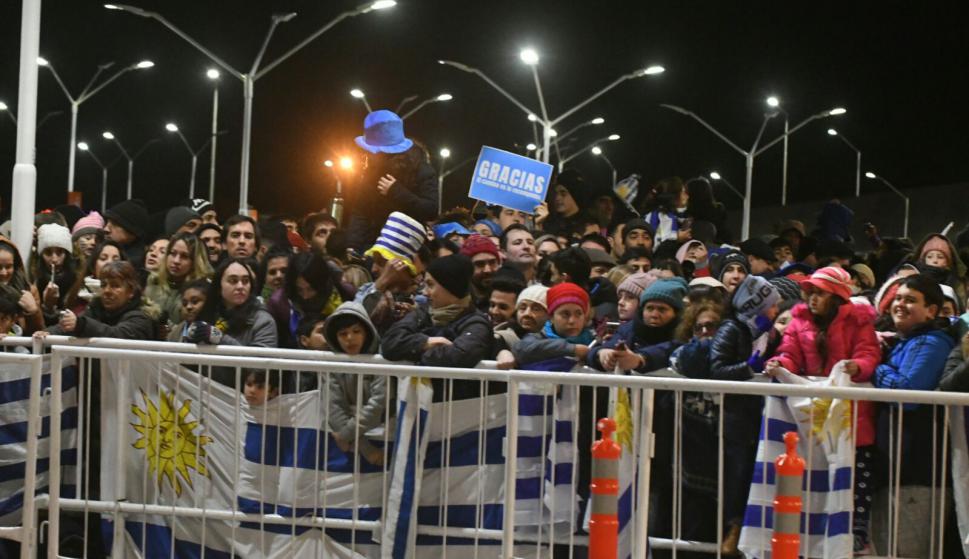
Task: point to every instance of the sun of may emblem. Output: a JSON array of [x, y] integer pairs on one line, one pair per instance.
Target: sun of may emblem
[[169, 440]]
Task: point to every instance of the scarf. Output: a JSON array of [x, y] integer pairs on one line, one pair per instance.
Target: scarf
[[585, 337], [442, 316]]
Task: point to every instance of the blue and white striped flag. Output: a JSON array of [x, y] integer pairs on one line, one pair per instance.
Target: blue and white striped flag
[[14, 399], [824, 427]]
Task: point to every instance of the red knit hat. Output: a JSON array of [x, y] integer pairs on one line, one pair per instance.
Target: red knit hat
[[564, 293], [476, 244], [831, 279]]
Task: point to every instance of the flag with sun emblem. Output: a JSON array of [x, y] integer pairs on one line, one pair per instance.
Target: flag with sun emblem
[[172, 437], [825, 430]]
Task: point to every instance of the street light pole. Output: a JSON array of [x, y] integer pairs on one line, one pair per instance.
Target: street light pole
[[718, 177], [86, 94], [248, 80], [872, 175], [5, 109], [445, 154], [598, 151], [24, 182], [833, 132], [173, 128], [213, 75], [610, 138], [438, 99], [83, 146], [754, 151], [131, 162]]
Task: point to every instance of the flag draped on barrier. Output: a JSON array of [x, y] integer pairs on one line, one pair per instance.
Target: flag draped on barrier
[[959, 418], [825, 429], [14, 398]]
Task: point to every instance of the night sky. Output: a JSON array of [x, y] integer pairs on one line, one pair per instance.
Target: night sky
[[898, 67]]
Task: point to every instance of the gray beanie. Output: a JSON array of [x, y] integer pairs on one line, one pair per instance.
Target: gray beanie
[[753, 297], [178, 216]]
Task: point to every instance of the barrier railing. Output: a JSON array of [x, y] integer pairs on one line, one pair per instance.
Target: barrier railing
[[484, 482]]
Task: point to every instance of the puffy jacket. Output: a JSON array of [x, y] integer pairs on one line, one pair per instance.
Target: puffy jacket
[[654, 344], [135, 321], [731, 347], [851, 335], [916, 362], [955, 378], [472, 340]]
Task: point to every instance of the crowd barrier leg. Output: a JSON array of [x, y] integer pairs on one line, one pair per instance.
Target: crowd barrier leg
[[604, 491], [786, 539], [511, 452]]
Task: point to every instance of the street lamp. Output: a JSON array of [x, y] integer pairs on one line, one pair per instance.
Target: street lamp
[[249, 79], [444, 97], [833, 132], [5, 109], [445, 153], [754, 151], [775, 104], [83, 146], [598, 151], [873, 176], [173, 128], [358, 94], [90, 90], [530, 57], [131, 158], [609, 138], [213, 74], [718, 177]]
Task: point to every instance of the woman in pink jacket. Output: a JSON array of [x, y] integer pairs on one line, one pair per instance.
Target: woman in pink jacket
[[827, 329]]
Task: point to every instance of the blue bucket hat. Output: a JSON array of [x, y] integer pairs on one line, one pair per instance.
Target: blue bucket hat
[[383, 131], [442, 230]]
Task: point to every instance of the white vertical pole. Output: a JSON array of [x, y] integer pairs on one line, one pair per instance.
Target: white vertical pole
[[247, 85], [104, 189], [24, 171], [73, 147], [784, 177], [131, 173], [858, 175], [745, 227], [28, 540], [511, 471], [191, 182], [215, 128]]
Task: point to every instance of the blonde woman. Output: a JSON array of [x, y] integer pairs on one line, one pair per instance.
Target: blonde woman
[[185, 260]]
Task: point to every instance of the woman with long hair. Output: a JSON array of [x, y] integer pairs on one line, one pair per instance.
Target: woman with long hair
[[87, 285], [14, 278], [185, 260], [310, 290], [702, 205]]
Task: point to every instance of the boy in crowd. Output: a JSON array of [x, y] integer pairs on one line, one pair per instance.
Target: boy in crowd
[[257, 390], [349, 330]]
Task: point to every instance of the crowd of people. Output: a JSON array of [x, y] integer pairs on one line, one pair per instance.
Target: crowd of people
[[586, 278]]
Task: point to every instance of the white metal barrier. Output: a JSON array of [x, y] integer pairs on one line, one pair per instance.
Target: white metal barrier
[[515, 539]]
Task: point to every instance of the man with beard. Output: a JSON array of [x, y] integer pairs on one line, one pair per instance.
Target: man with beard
[[518, 248], [486, 260]]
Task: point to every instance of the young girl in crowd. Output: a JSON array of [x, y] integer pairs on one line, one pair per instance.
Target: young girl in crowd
[[87, 285], [53, 272], [938, 258], [192, 298], [13, 278], [826, 330], [87, 233], [666, 210], [629, 292]]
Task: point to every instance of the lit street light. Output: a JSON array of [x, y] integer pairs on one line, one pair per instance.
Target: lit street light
[[754, 151], [445, 153], [775, 104], [833, 132], [131, 158], [89, 91], [718, 177], [444, 97], [173, 128], [5, 109], [249, 78], [609, 138], [873, 176], [530, 57], [83, 146], [358, 94], [598, 152]]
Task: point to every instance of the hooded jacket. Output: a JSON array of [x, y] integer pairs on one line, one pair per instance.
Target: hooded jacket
[[655, 344], [851, 335], [347, 415]]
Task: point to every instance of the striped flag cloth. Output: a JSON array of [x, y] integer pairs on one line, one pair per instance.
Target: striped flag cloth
[[14, 399], [824, 427]]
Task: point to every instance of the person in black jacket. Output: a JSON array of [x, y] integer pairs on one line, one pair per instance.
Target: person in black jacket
[[955, 378], [740, 349], [395, 176], [449, 332]]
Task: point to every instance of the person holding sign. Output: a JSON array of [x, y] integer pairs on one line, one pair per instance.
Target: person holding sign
[[394, 175]]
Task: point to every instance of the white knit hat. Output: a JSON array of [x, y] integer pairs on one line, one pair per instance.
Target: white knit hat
[[535, 294], [53, 235]]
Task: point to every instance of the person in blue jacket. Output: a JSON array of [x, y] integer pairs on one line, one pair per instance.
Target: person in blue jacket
[[645, 343], [915, 363]]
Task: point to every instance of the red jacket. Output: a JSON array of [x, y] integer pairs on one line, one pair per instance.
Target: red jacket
[[851, 335]]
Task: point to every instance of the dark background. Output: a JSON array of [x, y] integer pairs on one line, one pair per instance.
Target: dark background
[[898, 67]]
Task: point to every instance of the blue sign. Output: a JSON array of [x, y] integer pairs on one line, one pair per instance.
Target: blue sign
[[510, 180]]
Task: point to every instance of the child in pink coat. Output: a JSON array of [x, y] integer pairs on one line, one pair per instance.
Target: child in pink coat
[[827, 329]]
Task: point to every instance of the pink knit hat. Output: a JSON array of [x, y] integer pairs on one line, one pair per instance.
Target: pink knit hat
[[831, 279], [939, 243], [87, 225]]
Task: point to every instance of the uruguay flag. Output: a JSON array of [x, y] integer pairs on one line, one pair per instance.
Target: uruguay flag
[[14, 398], [828, 493]]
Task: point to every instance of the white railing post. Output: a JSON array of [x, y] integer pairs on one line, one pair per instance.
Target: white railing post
[[511, 471]]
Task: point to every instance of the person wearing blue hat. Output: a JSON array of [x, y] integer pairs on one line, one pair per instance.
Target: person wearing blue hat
[[451, 231], [393, 173]]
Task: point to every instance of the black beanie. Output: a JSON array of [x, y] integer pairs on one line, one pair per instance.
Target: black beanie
[[580, 190], [130, 214], [178, 216], [453, 273], [719, 263]]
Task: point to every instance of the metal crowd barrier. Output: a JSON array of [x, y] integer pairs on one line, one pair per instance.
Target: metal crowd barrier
[[551, 443]]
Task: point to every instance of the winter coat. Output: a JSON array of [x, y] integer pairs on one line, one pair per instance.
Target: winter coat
[[654, 344], [472, 340], [537, 347], [916, 362], [851, 335], [347, 415], [137, 320], [259, 331], [166, 297], [955, 377], [731, 347]]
